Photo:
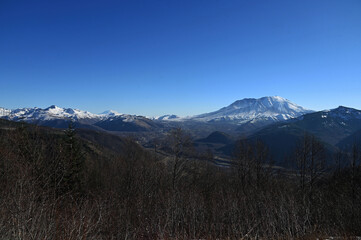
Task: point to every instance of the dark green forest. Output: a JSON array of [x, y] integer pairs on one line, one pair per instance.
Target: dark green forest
[[73, 184]]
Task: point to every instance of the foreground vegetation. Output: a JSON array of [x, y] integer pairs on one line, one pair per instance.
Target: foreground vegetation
[[56, 186]]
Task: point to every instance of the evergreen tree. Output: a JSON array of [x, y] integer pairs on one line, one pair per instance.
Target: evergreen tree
[[73, 162]]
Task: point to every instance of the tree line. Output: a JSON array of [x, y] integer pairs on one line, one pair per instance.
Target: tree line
[[56, 186]]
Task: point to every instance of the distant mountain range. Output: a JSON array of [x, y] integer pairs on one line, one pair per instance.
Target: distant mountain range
[[249, 115], [275, 120], [58, 117], [51, 113], [250, 112]]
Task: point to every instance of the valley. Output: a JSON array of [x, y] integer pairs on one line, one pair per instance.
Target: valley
[[279, 123]]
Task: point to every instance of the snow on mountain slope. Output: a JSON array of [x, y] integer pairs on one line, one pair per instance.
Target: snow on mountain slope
[[330, 126], [110, 113], [4, 112], [167, 117], [57, 113], [50, 113], [344, 113], [251, 109]]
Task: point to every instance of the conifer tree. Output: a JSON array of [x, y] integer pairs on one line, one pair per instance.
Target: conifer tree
[[73, 161]]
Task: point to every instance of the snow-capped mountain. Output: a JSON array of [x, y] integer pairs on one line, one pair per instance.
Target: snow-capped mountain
[[248, 114], [55, 113], [58, 117], [110, 113], [51, 113], [272, 109]]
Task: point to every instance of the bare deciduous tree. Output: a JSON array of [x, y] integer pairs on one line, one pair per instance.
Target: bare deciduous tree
[[310, 161], [181, 145]]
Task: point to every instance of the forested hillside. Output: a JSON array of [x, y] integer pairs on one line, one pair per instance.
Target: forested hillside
[[60, 184]]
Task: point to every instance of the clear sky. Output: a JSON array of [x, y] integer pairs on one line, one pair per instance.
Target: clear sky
[[183, 57]]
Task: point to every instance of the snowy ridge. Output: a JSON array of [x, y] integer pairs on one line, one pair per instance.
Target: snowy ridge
[[50, 113], [4, 112], [250, 109], [54, 113], [168, 117]]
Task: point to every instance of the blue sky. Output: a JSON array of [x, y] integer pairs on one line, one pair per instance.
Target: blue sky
[[183, 57]]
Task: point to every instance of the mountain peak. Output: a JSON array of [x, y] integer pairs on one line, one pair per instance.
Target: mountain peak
[[167, 117], [343, 108], [53, 107], [267, 108], [343, 112], [274, 98], [267, 101], [110, 113]]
